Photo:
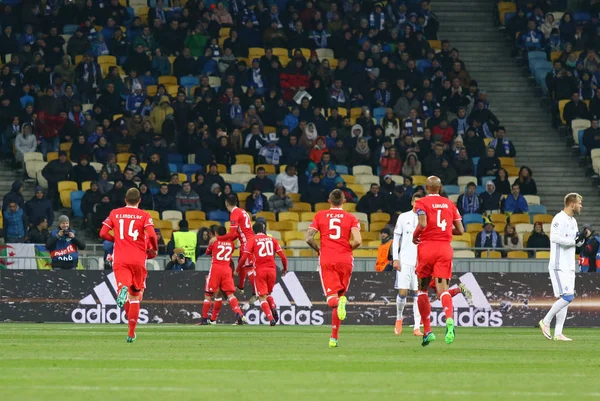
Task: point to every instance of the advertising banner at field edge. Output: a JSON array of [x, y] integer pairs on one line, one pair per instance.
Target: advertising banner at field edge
[[510, 299]]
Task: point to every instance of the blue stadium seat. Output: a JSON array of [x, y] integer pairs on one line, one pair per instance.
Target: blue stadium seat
[[175, 158], [70, 29], [76, 197], [538, 64], [341, 169], [150, 80], [218, 215], [190, 169], [536, 55], [479, 190], [472, 218], [581, 16], [475, 162], [272, 177], [237, 187], [487, 178], [452, 189], [378, 114], [582, 149], [173, 167], [154, 190], [508, 16], [188, 82], [422, 65], [537, 209]]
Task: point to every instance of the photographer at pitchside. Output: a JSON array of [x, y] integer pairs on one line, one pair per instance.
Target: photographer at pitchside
[[64, 246]]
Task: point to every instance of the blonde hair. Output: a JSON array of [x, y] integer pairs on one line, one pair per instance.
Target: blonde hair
[[572, 198]]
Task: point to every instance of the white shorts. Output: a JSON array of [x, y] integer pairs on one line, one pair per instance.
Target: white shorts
[[563, 282], [406, 278]]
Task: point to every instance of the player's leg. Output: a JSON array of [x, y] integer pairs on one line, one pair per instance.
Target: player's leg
[[400, 304], [414, 287], [241, 279], [124, 279], [424, 305], [331, 287], [251, 273], [563, 301], [262, 291], [270, 285], [217, 305], [565, 281], [208, 299], [136, 290], [442, 273], [226, 286], [344, 272]]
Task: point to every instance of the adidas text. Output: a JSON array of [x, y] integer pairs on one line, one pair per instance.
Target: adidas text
[[288, 316], [469, 318], [102, 314]]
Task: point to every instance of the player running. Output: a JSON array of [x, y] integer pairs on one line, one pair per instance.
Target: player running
[[564, 238], [134, 241], [240, 228], [340, 235], [263, 248], [219, 276], [434, 253]]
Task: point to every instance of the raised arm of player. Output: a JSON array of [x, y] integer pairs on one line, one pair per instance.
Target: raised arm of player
[[310, 239], [356, 238], [281, 254], [232, 235], [107, 226]]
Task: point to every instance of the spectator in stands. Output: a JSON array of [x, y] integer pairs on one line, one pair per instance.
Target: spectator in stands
[[187, 199], [361, 155], [458, 71], [445, 132], [340, 154], [538, 238], [261, 181], [39, 207], [406, 103], [446, 172], [501, 182], [591, 136], [214, 199], [101, 212], [25, 142], [511, 239], [256, 202], [412, 166], [158, 167], [163, 200], [213, 176], [474, 144], [488, 238], [272, 153], [56, 171], [280, 202], [434, 161], [117, 193], [112, 168], [488, 165], [90, 199], [315, 193], [463, 164], [15, 222], [38, 233], [391, 162], [147, 200], [515, 202], [14, 195], [83, 171], [526, 182], [491, 199], [104, 184], [400, 201], [531, 40], [328, 180], [288, 179], [576, 108], [470, 202], [372, 202], [502, 146]]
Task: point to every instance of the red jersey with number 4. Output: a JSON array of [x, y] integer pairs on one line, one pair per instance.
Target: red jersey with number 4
[[335, 226], [264, 249], [441, 214], [241, 225], [221, 254], [129, 227]]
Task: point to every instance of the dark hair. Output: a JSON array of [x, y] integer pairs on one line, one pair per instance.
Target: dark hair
[[258, 228], [471, 184], [231, 200], [336, 197], [217, 230], [417, 196]]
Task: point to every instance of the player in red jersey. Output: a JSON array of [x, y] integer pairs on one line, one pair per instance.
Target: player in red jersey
[[263, 248], [340, 235], [219, 277], [240, 228], [135, 241], [434, 253]]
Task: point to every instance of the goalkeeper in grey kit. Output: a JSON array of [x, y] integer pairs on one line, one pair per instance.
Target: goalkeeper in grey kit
[[564, 239]]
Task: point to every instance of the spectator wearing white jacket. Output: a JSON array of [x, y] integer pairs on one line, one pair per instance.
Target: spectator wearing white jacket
[[288, 179], [25, 142]]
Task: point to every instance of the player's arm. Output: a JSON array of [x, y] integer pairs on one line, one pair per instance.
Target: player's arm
[[396, 244], [209, 249], [420, 226], [281, 254], [232, 235], [558, 235], [356, 238], [107, 226], [458, 227], [310, 239]]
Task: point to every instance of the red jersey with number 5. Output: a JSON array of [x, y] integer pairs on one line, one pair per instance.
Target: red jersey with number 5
[[335, 226], [129, 227], [221, 254], [441, 214], [264, 249]]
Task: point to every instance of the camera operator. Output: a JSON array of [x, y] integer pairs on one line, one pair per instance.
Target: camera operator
[[64, 246], [180, 262]]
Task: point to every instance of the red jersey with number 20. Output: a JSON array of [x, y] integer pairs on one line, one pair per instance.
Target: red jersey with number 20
[[264, 249], [221, 254], [335, 226], [129, 227], [441, 214]]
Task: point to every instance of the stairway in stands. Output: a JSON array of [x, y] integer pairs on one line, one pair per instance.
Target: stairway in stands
[[468, 25]]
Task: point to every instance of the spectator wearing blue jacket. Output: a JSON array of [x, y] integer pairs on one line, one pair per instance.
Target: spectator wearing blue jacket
[[515, 202], [291, 120], [64, 246], [532, 39], [14, 224]]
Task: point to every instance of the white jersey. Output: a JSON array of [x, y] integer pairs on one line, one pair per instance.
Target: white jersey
[[562, 242], [403, 247]]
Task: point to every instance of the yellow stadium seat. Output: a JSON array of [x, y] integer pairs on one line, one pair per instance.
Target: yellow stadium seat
[[343, 112], [512, 170], [355, 112], [254, 52], [377, 226], [65, 198], [305, 253], [294, 197], [321, 206], [507, 161], [195, 215], [51, 156], [123, 157], [66, 146], [491, 255], [167, 80], [542, 255], [358, 188], [462, 238], [542, 218], [349, 207], [373, 244], [384, 217], [86, 185], [289, 253], [269, 168], [280, 52], [151, 90], [224, 32], [505, 7], [305, 216], [282, 226], [498, 218], [419, 180], [561, 109], [435, 44], [474, 228], [160, 224], [112, 60], [194, 224], [364, 253], [517, 255], [555, 55], [292, 235], [301, 207], [268, 216], [369, 236], [348, 179], [154, 214], [270, 129], [67, 186]]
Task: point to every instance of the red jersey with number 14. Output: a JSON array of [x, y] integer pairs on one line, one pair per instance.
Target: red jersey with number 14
[[441, 214], [221, 254], [335, 226], [264, 249], [129, 230]]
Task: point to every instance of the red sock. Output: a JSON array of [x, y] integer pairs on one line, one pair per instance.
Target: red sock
[[454, 291], [252, 280], [424, 310], [271, 302], [242, 278], [132, 316], [205, 309], [333, 302], [235, 306], [335, 323], [267, 310], [126, 307], [446, 299], [432, 284], [216, 309]]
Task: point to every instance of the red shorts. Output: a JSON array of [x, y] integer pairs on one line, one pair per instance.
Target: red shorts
[[335, 277], [219, 279], [249, 263], [265, 281], [133, 276], [434, 259]]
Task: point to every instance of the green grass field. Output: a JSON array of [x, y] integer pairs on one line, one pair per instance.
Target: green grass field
[[93, 362]]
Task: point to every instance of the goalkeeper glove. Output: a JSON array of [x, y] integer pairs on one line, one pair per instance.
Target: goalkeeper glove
[[580, 239]]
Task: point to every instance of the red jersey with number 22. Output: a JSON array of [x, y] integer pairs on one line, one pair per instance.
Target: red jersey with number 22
[[441, 214], [129, 227], [335, 226], [221, 254]]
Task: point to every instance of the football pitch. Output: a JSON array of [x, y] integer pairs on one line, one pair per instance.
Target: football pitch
[[176, 362]]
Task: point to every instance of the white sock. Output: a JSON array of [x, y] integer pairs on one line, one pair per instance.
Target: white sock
[[558, 305], [400, 304], [561, 316], [416, 313]]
